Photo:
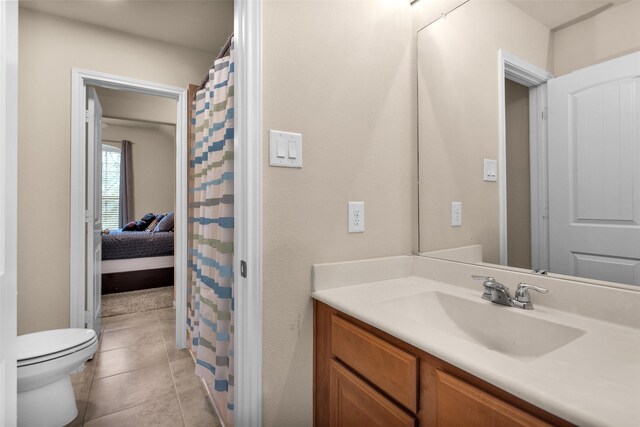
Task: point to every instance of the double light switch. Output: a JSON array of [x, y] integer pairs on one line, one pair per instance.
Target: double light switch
[[285, 149]]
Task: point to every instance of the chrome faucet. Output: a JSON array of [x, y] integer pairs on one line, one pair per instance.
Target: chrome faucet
[[499, 294]]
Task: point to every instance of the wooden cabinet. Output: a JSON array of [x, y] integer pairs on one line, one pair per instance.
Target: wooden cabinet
[[353, 403], [458, 403], [365, 377], [398, 379]]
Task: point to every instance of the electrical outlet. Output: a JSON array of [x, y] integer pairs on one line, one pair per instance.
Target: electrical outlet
[[356, 217], [456, 214]]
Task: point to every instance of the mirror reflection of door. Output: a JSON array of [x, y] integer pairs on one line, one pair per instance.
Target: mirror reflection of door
[[594, 171], [594, 163]]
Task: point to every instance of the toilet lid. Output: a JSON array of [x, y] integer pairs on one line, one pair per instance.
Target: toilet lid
[[44, 343]]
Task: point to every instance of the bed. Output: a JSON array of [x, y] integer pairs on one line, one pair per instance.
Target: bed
[[134, 260]]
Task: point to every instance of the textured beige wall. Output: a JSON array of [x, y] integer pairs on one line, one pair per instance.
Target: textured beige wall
[[154, 166], [49, 48], [458, 117], [516, 99], [342, 74], [612, 33], [136, 106]]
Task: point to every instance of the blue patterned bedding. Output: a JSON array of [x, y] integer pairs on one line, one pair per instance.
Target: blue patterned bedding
[[120, 244]]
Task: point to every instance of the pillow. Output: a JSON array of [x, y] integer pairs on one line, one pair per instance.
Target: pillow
[[145, 221], [166, 223], [130, 226], [153, 223]]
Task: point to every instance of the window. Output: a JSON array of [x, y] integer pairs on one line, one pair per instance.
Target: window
[[110, 187]]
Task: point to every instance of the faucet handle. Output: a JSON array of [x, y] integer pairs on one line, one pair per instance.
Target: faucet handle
[[525, 287], [485, 278], [522, 295], [489, 284]]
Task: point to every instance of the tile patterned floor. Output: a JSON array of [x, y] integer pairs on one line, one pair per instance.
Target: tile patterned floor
[[138, 377]]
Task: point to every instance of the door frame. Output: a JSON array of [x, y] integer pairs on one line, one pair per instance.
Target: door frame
[[80, 79], [520, 71], [8, 210], [248, 213]]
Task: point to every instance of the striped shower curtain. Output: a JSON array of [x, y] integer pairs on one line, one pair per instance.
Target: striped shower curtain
[[210, 294]]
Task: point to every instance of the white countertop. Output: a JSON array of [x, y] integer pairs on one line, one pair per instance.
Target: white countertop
[[591, 381]]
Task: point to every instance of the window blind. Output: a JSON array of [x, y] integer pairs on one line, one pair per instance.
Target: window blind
[[110, 186]]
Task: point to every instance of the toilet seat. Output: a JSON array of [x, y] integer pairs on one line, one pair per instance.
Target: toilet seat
[[43, 346]]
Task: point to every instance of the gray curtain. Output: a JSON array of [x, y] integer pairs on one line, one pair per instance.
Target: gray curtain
[[126, 183]]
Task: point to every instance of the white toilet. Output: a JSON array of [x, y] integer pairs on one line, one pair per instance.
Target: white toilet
[[45, 360]]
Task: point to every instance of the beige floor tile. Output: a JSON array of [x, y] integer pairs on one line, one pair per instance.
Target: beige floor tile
[[129, 320], [196, 408], [168, 327], [123, 391], [173, 353], [127, 359], [138, 335], [81, 391], [184, 376], [163, 411], [166, 313]]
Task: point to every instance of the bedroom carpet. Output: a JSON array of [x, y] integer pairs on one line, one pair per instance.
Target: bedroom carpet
[[136, 301]]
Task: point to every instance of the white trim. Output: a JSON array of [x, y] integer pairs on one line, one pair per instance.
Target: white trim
[[136, 264], [79, 81], [520, 71], [248, 214], [539, 177], [8, 210]]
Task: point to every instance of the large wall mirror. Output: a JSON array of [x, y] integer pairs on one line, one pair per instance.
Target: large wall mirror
[[529, 137]]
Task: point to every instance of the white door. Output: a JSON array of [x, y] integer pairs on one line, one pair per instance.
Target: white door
[[94, 211], [594, 171]]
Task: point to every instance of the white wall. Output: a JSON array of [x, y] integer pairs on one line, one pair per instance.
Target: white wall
[[610, 34], [136, 106], [342, 74], [458, 123], [154, 166], [49, 48]]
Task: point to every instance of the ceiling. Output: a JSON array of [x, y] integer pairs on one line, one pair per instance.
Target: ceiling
[[203, 25], [559, 13]]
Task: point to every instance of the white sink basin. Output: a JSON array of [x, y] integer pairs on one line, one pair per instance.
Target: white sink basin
[[500, 328]]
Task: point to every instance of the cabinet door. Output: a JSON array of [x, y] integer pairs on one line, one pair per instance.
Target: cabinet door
[[353, 403], [461, 404]]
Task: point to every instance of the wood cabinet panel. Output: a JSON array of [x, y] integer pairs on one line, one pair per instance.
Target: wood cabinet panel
[[459, 404], [354, 403], [391, 369], [444, 394]]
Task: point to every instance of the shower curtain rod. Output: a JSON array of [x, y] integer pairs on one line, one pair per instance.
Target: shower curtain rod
[[223, 52]]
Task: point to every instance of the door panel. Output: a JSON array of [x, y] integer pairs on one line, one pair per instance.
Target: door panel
[[94, 212], [594, 171]]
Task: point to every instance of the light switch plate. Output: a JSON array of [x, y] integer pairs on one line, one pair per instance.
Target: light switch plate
[[356, 217], [490, 170], [456, 214], [285, 149]]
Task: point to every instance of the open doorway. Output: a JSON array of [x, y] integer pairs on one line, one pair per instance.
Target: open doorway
[[137, 202], [120, 95]]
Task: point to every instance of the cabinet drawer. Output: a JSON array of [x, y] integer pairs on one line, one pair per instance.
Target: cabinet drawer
[[461, 404], [391, 369], [354, 403]]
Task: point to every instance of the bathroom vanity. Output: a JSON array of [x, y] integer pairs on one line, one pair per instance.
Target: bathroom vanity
[[408, 341]]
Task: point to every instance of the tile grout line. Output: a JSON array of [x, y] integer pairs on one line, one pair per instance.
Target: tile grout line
[[93, 374], [113, 375], [173, 378]]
